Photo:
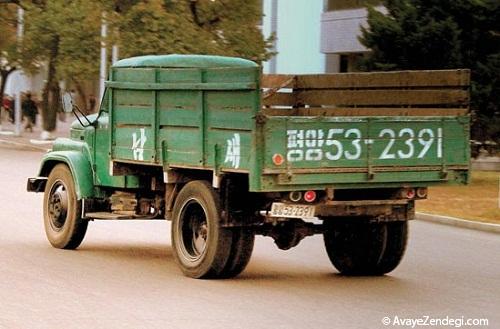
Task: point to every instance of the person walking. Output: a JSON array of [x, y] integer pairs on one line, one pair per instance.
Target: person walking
[[8, 105], [30, 111]]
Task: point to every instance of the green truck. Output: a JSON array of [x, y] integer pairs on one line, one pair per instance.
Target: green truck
[[227, 153]]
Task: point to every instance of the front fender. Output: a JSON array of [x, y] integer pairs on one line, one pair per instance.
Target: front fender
[[80, 167]]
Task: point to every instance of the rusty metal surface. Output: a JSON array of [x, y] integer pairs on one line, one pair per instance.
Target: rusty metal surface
[[360, 170]]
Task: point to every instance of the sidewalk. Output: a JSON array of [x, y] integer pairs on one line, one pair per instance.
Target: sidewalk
[[31, 140]]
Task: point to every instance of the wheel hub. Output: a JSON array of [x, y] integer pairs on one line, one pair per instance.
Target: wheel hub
[[194, 231], [58, 205], [200, 238]]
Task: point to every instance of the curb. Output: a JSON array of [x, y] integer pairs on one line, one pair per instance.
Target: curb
[[458, 222], [21, 146]]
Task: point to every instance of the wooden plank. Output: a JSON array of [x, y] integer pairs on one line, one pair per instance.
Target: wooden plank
[[284, 99], [400, 79], [276, 80], [383, 97], [331, 112]]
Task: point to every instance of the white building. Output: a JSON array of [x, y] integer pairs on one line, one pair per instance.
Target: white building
[[298, 26], [315, 36]]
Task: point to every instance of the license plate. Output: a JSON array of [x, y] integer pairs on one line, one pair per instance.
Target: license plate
[[291, 210]]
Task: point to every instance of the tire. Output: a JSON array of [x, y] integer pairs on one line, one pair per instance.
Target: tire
[[355, 248], [201, 247], [365, 248], [64, 227], [397, 239], [241, 252]]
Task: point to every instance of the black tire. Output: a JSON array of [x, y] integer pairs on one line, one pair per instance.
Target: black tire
[[355, 248], [365, 248], [64, 227], [397, 239], [201, 247], [241, 252]]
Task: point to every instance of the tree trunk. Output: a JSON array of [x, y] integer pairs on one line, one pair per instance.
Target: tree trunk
[[51, 92]]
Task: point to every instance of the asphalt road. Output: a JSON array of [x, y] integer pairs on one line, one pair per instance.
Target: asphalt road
[[123, 276]]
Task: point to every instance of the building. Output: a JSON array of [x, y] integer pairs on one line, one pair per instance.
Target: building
[[340, 29], [297, 26], [315, 36]]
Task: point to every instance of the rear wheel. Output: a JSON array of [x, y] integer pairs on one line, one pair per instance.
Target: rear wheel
[[64, 226], [201, 246], [365, 248], [241, 252], [397, 239]]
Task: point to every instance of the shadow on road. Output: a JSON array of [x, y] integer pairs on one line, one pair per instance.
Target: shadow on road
[[131, 252]]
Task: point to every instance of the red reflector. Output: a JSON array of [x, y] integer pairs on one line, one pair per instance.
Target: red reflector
[[278, 159], [310, 196]]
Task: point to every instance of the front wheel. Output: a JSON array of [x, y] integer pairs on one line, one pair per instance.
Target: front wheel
[[64, 227], [201, 247]]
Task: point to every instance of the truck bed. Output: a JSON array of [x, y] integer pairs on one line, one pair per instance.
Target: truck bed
[[347, 130]]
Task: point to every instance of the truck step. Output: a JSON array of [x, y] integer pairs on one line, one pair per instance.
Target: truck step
[[111, 216]]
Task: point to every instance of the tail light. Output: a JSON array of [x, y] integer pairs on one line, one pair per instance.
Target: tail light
[[310, 196], [410, 193]]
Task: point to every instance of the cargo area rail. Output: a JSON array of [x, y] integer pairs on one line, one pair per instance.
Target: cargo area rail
[[397, 93]]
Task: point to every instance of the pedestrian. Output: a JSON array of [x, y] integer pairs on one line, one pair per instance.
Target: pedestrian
[[8, 105], [30, 111]]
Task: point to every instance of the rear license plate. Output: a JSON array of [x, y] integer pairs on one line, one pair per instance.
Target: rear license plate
[[291, 210]]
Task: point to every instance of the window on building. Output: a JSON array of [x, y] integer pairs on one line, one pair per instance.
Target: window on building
[[344, 63], [350, 62]]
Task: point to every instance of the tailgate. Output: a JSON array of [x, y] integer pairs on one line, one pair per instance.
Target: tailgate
[[350, 130], [353, 150]]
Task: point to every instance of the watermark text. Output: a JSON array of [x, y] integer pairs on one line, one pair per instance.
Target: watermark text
[[429, 321]]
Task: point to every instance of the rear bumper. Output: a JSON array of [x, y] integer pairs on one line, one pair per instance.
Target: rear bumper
[[383, 210], [36, 184]]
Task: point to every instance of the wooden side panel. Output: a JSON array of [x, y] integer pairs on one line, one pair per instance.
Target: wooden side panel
[[398, 79], [364, 111], [277, 80], [383, 97], [432, 92]]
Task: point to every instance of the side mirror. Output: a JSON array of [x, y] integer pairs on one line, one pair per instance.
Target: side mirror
[[67, 102]]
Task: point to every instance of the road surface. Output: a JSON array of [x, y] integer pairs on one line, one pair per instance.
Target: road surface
[[124, 276]]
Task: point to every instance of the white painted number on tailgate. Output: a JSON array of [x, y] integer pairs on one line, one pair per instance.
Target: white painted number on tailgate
[[336, 144]]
